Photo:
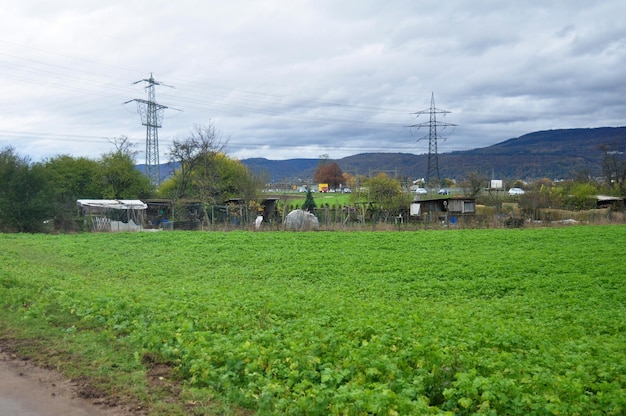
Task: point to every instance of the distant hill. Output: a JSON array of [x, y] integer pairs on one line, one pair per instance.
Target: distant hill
[[278, 170], [553, 153], [165, 169]]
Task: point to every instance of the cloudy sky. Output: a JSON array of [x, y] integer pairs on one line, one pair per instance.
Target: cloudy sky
[[300, 78]]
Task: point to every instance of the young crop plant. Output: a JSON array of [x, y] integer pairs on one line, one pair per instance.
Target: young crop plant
[[461, 322]]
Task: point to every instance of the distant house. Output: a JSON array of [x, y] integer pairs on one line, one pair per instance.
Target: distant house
[[443, 209]]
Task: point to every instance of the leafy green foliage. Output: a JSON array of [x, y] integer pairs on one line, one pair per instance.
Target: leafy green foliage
[[387, 193], [24, 197], [73, 178], [467, 322], [207, 174], [69, 179], [120, 178], [309, 203], [581, 196]]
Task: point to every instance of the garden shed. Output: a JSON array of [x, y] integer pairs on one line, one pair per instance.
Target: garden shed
[[443, 209], [605, 201], [112, 214]]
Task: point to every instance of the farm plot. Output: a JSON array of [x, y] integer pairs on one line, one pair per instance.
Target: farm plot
[[466, 321]]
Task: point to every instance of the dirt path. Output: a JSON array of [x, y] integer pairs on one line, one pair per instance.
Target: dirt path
[[28, 390]]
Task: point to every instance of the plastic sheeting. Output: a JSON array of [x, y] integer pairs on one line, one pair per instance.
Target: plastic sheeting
[[112, 203], [301, 220]]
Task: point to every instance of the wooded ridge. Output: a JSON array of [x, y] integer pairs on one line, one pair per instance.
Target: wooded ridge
[[555, 154]]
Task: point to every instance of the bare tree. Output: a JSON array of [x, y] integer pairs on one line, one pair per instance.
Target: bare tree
[[614, 167], [123, 146], [475, 182], [197, 156]]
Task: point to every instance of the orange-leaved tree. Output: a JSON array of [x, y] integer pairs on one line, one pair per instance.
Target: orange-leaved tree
[[329, 173]]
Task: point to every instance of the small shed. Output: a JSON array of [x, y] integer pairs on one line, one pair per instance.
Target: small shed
[[159, 213], [606, 201], [443, 209], [113, 214]]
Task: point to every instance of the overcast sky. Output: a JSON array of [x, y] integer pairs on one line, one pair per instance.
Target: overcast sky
[[295, 78]]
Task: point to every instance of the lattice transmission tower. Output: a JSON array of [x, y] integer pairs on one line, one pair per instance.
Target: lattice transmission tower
[[151, 114], [432, 124]]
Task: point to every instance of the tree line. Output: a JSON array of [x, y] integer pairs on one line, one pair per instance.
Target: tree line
[[33, 195]]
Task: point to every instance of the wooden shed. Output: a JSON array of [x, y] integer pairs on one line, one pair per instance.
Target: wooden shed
[[443, 209]]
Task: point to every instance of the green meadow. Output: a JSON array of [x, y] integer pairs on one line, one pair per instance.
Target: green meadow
[[459, 322]]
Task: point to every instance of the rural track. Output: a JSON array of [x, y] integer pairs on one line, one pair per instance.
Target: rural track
[[29, 390]]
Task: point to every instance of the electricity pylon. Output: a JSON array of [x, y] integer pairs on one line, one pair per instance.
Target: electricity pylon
[[432, 124], [151, 114]]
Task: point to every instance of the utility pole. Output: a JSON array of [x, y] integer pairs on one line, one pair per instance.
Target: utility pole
[[151, 114], [432, 124]]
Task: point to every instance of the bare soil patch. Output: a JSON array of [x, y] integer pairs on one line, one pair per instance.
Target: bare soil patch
[[27, 389]]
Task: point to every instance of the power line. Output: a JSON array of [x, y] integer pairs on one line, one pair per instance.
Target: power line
[[48, 73], [297, 108], [151, 114], [432, 124]]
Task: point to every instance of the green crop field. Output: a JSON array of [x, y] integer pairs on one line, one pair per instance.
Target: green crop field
[[499, 322]]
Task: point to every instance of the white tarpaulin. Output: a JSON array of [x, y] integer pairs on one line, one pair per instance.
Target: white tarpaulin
[[301, 220]]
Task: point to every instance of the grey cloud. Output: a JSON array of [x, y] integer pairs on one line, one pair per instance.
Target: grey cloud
[[293, 79]]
